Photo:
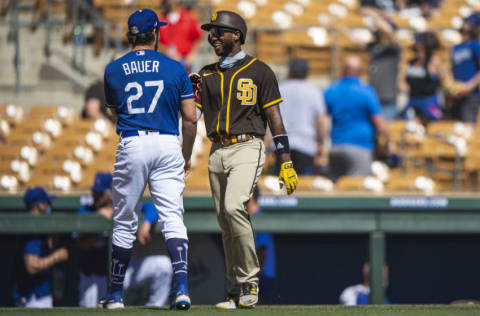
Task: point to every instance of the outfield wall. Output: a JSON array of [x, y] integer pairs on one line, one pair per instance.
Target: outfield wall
[[430, 244]]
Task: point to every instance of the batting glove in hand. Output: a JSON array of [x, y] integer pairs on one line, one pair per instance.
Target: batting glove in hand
[[196, 81], [288, 177]]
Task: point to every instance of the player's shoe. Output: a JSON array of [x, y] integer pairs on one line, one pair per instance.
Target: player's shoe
[[179, 298], [230, 302], [248, 296], [111, 302]]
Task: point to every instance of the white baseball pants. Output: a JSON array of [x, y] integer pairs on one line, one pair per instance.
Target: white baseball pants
[[157, 160], [39, 302], [153, 271]]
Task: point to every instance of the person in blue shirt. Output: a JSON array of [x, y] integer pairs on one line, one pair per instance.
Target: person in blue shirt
[[33, 281], [356, 122], [152, 271], [360, 294], [466, 69], [265, 246]]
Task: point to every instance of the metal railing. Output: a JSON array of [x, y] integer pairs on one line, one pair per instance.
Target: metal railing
[[80, 10]]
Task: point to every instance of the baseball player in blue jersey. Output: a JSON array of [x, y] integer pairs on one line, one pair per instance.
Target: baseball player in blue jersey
[[146, 91], [33, 275]]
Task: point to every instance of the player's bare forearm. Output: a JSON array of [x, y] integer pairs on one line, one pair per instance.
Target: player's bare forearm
[[275, 122], [382, 129], [34, 264], [321, 128], [473, 83], [189, 127]]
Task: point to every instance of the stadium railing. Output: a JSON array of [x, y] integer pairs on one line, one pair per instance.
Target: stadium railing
[[376, 216]]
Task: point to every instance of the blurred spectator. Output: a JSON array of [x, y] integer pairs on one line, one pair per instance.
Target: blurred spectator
[[39, 13], [33, 279], [303, 112], [265, 251], [94, 107], [384, 52], [153, 271], [356, 116], [423, 77], [82, 15], [427, 7], [466, 69], [360, 294], [387, 6], [4, 6], [178, 40]]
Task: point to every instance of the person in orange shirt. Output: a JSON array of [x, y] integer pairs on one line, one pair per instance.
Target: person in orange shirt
[[178, 39]]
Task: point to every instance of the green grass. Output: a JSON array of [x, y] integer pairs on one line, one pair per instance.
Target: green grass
[[392, 310]]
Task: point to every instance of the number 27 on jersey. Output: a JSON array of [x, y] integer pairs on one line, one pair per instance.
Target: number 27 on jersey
[[139, 93]]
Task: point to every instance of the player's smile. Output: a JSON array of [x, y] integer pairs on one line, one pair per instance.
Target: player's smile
[[220, 39]]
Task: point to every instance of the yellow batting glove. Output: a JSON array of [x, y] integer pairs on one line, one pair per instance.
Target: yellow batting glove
[[288, 176]]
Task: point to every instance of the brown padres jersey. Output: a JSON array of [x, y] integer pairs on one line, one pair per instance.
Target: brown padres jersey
[[233, 100]]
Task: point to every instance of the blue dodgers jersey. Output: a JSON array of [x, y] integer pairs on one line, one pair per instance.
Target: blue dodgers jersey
[[465, 60], [146, 89], [39, 283]]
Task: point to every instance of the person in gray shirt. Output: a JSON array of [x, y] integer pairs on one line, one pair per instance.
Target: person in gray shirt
[[385, 56], [303, 112]]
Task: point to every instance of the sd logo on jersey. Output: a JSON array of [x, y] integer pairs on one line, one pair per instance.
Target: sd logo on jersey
[[247, 91]]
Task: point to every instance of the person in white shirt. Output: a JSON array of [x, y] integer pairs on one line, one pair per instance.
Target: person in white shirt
[[303, 112], [359, 294]]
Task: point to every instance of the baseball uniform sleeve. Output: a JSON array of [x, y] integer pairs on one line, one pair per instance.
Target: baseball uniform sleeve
[[186, 86], [33, 247], [269, 93], [150, 213], [109, 100]]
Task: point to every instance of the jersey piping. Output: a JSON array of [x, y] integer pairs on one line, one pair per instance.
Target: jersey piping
[[221, 91], [269, 104], [227, 127]]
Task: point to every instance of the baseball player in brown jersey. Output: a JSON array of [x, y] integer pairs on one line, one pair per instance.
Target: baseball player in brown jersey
[[239, 95]]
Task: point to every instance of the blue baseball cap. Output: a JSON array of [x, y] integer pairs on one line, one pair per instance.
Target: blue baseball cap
[[37, 194], [103, 182], [143, 21], [474, 19]]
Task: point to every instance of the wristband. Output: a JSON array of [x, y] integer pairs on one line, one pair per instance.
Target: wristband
[[281, 144]]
